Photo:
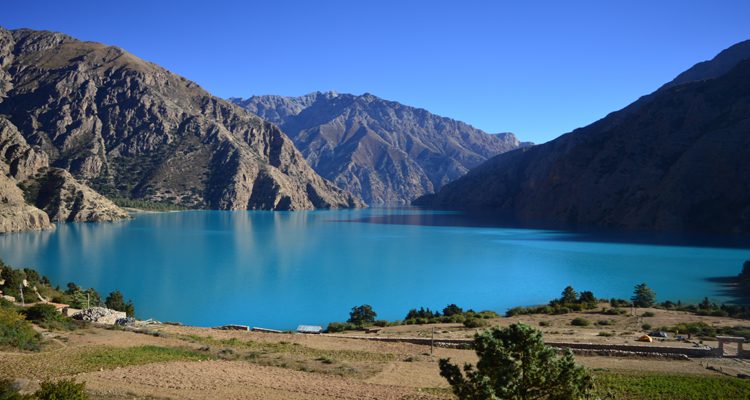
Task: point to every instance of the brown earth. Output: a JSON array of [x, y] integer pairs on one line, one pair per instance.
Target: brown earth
[[252, 365]]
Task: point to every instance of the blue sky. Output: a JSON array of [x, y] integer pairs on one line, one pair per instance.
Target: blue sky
[[537, 68]]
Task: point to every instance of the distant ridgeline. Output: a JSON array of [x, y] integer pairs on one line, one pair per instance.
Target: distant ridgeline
[[675, 160], [383, 151]]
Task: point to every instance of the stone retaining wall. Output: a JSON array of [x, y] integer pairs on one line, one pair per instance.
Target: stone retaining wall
[[693, 352], [580, 348]]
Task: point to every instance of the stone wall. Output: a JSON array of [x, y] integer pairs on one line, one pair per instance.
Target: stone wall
[[582, 348]]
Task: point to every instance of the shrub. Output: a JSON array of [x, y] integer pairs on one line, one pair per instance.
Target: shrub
[[614, 311], [47, 316], [619, 303], [335, 327], [606, 334], [646, 327], [544, 323], [604, 322], [668, 305], [648, 314], [475, 322], [713, 313], [487, 314], [64, 389], [694, 328], [381, 323], [580, 322], [13, 280], [41, 312], [79, 298], [456, 319], [16, 332], [528, 310], [560, 310], [9, 391], [514, 363], [6, 304]]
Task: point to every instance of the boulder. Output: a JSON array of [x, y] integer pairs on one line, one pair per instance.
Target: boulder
[[100, 315]]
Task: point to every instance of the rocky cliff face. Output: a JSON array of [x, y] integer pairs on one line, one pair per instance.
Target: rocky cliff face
[[65, 199], [53, 191], [18, 161], [677, 159], [15, 214], [381, 150], [129, 128]]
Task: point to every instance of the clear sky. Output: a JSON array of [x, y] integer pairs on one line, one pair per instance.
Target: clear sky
[[536, 68]]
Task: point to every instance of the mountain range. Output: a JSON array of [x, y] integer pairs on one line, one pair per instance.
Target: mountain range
[[83, 124], [381, 150], [677, 159], [95, 118]]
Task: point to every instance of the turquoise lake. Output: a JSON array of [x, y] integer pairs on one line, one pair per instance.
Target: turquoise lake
[[281, 269]]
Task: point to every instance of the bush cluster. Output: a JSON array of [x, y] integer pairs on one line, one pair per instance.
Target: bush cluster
[[569, 301], [64, 389], [580, 322], [47, 316], [617, 303], [614, 311], [14, 279], [475, 323], [16, 332], [708, 308], [73, 295], [703, 329], [363, 316], [451, 314]]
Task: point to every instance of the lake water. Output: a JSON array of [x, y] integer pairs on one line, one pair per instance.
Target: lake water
[[281, 269]]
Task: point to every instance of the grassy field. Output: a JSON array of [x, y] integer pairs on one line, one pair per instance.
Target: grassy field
[[295, 356], [293, 348], [51, 364], [113, 357], [645, 386]]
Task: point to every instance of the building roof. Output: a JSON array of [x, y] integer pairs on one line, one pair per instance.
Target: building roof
[[309, 329]]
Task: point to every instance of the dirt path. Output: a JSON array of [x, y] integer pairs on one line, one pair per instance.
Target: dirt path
[[237, 380]]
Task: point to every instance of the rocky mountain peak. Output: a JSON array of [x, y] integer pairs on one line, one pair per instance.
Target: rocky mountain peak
[[382, 150]]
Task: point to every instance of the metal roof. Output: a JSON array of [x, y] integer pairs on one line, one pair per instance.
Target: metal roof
[[309, 329]]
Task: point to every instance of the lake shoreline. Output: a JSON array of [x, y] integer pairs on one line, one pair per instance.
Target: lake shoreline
[[317, 265]]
